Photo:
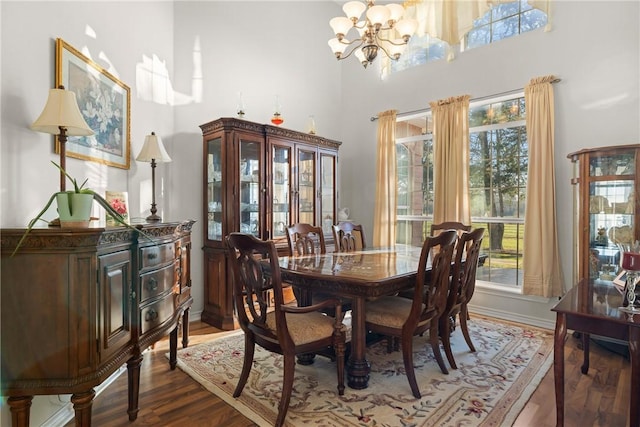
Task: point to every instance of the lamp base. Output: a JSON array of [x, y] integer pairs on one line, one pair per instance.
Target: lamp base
[[154, 218]]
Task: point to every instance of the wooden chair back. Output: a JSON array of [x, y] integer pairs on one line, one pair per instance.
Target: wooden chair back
[[432, 286], [349, 237], [449, 225], [465, 265], [305, 239]]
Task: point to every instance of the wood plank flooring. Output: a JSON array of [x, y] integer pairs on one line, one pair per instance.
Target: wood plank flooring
[[172, 398]]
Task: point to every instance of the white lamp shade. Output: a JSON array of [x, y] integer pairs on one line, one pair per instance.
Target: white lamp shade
[[406, 27], [62, 110], [336, 46], [395, 11], [378, 15], [153, 150], [340, 25], [354, 9]]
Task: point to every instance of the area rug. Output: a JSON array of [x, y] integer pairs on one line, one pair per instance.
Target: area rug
[[489, 388]]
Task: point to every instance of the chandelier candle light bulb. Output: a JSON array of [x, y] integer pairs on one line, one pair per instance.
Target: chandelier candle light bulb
[[377, 32]]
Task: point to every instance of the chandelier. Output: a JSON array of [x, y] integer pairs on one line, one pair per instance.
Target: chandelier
[[378, 32]]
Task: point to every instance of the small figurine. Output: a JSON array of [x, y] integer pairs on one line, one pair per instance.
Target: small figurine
[[601, 237]]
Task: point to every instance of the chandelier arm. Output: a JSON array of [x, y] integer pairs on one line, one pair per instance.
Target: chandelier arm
[[390, 41], [353, 49], [385, 52]]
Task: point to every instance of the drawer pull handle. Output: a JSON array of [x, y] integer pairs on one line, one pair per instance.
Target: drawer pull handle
[[151, 315], [152, 255], [152, 284]]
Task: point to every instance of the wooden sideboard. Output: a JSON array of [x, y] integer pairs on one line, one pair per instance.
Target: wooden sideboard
[[76, 304]]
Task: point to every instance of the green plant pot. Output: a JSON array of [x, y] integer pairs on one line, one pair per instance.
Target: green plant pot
[[74, 209]]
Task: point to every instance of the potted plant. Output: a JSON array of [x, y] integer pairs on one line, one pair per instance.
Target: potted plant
[[74, 208]]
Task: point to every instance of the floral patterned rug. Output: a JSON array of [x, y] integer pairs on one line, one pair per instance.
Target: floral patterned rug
[[489, 388]]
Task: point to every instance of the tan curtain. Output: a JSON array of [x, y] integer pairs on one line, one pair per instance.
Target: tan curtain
[[451, 159], [384, 216], [542, 268]]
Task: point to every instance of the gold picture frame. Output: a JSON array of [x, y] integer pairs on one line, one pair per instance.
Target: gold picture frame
[[105, 104]]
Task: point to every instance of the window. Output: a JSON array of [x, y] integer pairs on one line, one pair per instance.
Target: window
[[498, 178], [502, 21]]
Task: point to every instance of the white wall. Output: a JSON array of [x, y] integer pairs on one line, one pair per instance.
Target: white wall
[[596, 103], [593, 47]]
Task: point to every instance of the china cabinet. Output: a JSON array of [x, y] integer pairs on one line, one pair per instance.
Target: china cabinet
[[259, 179], [78, 303], [606, 205]]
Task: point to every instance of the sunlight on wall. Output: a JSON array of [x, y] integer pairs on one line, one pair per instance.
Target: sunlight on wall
[[154, 84]]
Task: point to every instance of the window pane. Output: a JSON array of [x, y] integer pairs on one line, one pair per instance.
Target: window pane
[[478, 37], [505, 9], [532, 20], [504, 28]]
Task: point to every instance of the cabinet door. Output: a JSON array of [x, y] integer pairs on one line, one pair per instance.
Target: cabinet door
[[328, 193], [250, 191], [306, 179], [214, 195], [114, 307], [611, 211], [281, 156]]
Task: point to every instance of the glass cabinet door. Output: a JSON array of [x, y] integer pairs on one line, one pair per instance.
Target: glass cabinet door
[[306, 186], [327, 191], [250, 187], [611, 211], [281, 190], [214, 189]]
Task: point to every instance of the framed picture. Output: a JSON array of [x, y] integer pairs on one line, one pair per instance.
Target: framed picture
[[119, 201], [105, 104]]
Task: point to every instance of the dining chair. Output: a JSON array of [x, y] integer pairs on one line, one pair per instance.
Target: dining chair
[[403, 318], [348, 236], [449, 225], [286, 330], [306, 239], [463, 280]]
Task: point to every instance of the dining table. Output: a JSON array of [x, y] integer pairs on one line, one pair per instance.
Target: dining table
[[592, 306], [358, 276]]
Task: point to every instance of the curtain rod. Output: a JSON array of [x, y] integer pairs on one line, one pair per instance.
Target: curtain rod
[[424, 110]]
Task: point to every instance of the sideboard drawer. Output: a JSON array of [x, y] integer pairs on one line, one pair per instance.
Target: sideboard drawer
[[156, 313], [158, 281], [151, 256]]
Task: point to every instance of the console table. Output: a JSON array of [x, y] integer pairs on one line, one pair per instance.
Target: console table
[[78, 303], [591, 307]]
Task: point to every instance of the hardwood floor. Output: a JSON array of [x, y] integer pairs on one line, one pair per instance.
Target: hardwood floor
[[172, 398]]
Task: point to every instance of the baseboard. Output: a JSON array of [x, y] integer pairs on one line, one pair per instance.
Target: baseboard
[[513, 317], [66, 413]]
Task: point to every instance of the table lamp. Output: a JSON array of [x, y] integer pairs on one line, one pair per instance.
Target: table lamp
[[61, 116], [153, 151], [631, 264]]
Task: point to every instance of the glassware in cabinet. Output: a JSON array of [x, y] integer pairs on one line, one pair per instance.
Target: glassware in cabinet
[[250, 187], [214, 189], [306, 186], [281, 190]]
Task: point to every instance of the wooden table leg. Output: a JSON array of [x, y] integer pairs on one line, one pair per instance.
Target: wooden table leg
[[558, 365], [133, 374], [20, 407], [358, 367], [586, 340], [185, 328], [634, 343], [173, 348], [82, 403]]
